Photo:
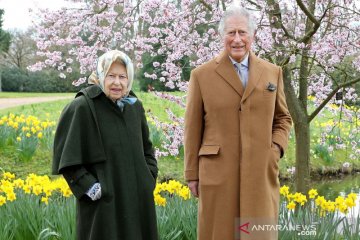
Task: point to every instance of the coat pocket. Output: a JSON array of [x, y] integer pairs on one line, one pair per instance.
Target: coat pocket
[[269, 94], [209, 150]]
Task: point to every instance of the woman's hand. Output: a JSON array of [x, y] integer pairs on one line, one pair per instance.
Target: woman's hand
[[94, 192]]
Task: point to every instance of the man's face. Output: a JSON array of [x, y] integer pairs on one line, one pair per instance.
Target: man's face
[[237, 38]]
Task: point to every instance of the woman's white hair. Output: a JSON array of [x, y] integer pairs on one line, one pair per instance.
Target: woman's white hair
[[237, 11]]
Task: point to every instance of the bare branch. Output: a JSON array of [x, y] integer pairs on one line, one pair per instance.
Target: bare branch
[[254, 3], [333, 92], [307, 12]]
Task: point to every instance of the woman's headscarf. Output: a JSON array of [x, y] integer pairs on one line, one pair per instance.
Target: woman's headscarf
[[103, 65]]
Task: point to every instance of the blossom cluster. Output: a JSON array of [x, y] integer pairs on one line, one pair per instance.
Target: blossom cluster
[[178, 100], [174, 134]]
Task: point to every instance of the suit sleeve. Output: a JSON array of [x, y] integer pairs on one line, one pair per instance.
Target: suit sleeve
[[193, 131], [282, 119], [147, 145]]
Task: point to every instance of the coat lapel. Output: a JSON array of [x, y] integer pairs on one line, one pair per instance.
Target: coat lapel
[[255, 71], [226, 70]]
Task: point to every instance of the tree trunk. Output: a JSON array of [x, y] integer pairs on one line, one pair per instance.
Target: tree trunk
[[302, 173], [302, 134]]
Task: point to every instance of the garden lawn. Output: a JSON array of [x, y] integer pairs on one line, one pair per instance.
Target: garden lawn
[[31, 94]]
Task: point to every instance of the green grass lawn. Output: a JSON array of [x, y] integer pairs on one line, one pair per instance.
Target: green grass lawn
[[45, 110], [31, 94]]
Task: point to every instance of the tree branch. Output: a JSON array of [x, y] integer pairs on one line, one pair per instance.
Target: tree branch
[[206, 5], [333, 92], [254, 3], [307, 13]]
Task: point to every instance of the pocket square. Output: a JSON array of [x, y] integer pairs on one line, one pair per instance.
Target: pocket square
[[271, 87]]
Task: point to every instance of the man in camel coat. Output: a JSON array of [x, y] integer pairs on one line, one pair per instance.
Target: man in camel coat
[[236, 129]]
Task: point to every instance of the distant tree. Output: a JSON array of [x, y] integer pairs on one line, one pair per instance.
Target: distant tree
[[4, 41], [22, 50], [4, 36]]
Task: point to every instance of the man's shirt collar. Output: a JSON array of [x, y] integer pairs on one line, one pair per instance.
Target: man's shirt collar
[[244, 62]]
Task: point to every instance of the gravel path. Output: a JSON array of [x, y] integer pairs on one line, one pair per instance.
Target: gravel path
[[13, 102]]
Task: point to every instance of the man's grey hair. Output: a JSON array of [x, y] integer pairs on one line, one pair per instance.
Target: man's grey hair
[[237, 11]]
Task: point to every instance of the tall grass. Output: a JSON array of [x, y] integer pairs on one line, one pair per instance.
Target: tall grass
[[29, 218]]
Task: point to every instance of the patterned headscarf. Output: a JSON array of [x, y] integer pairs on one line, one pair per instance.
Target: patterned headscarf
[[103, 65]]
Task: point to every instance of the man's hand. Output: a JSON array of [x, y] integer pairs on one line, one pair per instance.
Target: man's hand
[[194, 188]]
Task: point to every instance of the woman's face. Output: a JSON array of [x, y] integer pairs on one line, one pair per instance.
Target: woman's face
[[116, 81]]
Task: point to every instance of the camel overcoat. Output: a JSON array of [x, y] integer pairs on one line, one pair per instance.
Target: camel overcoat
[[229, 147]]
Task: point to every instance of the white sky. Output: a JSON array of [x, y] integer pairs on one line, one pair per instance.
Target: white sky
[[17, 11]]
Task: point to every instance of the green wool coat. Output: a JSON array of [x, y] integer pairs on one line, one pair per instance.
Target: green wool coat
[[96, 142]]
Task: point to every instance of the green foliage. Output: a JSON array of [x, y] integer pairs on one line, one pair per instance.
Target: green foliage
[[308, 222], [28, 218], [351, 228], [5, 135], [322, 152], [26, 147], [16, 80], [5, 37], [178, 219], [156, 136]]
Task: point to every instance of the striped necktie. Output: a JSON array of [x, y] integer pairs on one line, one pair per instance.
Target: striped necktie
[[242, 72]]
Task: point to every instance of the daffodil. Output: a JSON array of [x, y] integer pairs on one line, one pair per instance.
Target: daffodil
[[349, 202], [2, 200], [291, 205], [313, 193], [11, 196], [45, 200], [284, 190], [8, 175], [40, 135]]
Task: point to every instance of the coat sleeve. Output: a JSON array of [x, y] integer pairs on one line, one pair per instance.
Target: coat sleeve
[[147, 145], [193, 131], [79, 180], [282, 119]]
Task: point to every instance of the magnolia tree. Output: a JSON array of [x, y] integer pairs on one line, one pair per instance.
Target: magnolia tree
[[315, 42]]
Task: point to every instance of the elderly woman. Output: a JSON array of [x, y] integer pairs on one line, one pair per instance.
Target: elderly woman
[[103, 150]]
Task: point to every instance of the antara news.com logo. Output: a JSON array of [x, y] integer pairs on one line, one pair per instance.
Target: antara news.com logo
[[248, 228]]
